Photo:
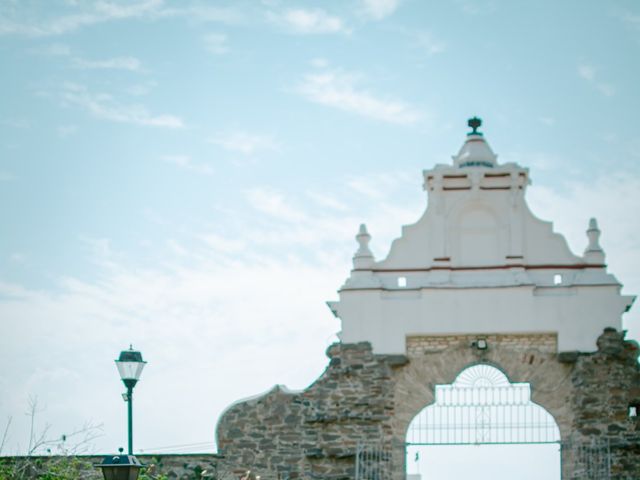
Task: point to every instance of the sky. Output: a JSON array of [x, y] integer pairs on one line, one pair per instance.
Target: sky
[[188, 177]]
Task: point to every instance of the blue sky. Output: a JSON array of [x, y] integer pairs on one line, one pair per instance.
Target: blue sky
[[188, 176]]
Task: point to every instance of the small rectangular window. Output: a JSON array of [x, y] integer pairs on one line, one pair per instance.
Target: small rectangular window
[[557, 279], [402, 282]]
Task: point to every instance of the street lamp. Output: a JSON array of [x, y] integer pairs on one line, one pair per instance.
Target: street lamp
[[130, 366]]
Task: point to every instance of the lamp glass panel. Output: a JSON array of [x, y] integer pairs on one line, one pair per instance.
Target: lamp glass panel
[[130, 370], [121, 473]]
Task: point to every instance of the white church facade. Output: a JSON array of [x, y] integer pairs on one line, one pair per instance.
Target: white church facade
[[478, 261]]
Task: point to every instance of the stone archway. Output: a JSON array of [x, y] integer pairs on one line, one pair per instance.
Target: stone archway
[[482, 408], [438, 360]]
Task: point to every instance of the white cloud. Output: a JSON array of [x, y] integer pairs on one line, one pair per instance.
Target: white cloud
[[6, 176], [340, 90], [310, 21], [223, 244], [17, 257], [185, 162], [86, 14], [548, 121], [102, 105], [206, 13], [319, 63], [65, 131], [326, 201], [244, 142], [141, 89], [630, 18], [216, 43], [16, 122], [378, 9], [98, 12], [117, 63], [273, 203], [55, 50], [588, 73], [429, 44]]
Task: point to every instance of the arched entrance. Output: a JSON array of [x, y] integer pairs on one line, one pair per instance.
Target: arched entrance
[[484, 425]]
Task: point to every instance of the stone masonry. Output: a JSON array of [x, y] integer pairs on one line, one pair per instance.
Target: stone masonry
[[367, 399]]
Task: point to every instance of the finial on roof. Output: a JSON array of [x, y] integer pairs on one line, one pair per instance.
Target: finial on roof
[[474, 123], [594, 252], [363, 257], [475, 151]]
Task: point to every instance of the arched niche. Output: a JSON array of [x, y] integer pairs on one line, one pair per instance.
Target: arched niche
[[476, 237]]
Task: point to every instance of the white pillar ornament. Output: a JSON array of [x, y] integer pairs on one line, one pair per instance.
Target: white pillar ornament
[[363, 258], [594, 252]]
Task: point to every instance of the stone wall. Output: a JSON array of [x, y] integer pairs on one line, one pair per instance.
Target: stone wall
[[604, 385], [315, 433], [367, 399]]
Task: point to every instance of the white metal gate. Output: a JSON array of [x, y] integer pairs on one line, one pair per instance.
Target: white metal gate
[[482, 407]]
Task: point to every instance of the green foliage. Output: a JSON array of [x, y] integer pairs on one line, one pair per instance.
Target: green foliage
[[150, 474], [53, 468]]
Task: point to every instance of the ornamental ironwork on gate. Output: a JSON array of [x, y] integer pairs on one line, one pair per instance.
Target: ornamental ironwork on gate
[[482, 407]]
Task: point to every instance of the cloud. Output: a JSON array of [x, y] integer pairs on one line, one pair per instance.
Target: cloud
[[103, 106], [630, 18], [55, 50], [307, 22], [319, 63], [548, 121], [98, 12], [426, 42], [16, 122], [86, 14], [588, 73], [379, 9], [6, 176], [247, 293], [223, 244], [65, 131], [185, 162], [273, 203], [216, 43], [244, 143], [340, 90], [327, 201], [117, 63]]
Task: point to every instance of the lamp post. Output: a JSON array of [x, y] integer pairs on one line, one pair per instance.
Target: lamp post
[[130, 366], [125, 467]]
